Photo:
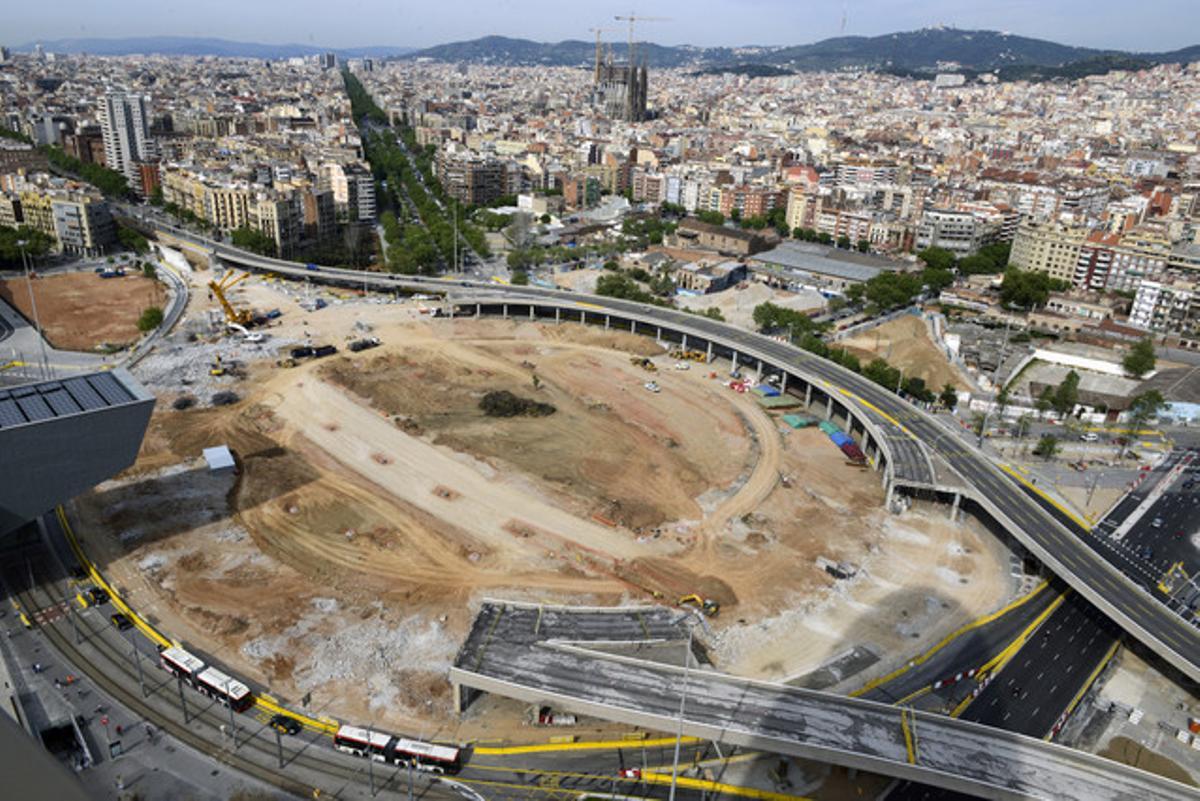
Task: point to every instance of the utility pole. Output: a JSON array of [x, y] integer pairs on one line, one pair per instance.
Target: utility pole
[[232, 723], [687, 667], [279, 746], [26, 259], [182, 699], [137, 658]]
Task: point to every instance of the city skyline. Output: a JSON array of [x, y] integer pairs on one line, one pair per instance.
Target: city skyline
[[1170, 24]]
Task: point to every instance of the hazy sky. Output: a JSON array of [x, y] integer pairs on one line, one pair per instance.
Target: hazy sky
[[1144, 25]]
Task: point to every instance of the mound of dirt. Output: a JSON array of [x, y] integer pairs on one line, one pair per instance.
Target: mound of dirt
[[505, 404]]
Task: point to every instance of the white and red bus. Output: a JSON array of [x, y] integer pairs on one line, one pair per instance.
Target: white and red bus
[[362, 742], [426, 756], [179, 662], [226, 689]]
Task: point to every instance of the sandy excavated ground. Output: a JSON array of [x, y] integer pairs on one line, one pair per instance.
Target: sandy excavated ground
[[377, 505], [906, 345], [82, 311]]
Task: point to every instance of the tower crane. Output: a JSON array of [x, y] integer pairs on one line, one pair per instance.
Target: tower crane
[[631, 19], [599, 52]]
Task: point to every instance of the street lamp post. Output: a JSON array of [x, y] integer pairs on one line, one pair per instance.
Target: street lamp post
[[37, 324], [687, 667]]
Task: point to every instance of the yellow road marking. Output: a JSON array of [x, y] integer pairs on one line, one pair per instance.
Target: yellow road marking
[[269, 706], [909, 744], [997, 662], [1082, 523], [595, 745], [720, 787], [1090, 680], [948, 639]]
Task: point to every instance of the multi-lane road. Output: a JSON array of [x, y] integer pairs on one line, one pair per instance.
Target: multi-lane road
[[910, 435]]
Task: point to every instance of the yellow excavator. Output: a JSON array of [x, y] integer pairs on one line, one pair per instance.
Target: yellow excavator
[[219, 288], [709, 607]]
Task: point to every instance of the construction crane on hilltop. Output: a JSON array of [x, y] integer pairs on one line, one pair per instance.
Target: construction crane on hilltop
[[632, 18], [219, 288]]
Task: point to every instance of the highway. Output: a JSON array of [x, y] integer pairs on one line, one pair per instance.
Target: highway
[[908, 430], [541, 653]]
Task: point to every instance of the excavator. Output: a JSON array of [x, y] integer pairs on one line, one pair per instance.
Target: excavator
[[219, 288], [644, 363], [709, 607]]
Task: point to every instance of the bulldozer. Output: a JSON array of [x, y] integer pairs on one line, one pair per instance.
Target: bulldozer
[[228, 281], [709, 607]]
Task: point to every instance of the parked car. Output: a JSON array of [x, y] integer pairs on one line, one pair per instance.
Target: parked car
[[1090, 436], [121, 621], [97, 596]]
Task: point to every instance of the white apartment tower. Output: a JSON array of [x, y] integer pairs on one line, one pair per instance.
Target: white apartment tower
[[126, 131]]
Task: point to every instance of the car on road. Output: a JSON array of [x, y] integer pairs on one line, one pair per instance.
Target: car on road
[[121, 621], [1156, 523], [97, 596], [285, 724], [1090, 436]]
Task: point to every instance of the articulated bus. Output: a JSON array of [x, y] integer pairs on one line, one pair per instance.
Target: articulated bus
[[225, 689], [361, 742], [383, 747], [179, 662]]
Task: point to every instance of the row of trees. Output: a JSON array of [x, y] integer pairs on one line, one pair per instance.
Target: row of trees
[[110, 182], [36, 243]]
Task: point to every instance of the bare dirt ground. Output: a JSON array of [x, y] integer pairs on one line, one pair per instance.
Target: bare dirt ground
[[905, 344], [82, 311], [377, 505]]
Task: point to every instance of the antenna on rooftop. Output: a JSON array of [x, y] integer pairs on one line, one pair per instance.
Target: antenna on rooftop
[[844, 16]]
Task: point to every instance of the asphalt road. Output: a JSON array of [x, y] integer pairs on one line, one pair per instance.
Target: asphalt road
[[971, 649], [1073, 557]]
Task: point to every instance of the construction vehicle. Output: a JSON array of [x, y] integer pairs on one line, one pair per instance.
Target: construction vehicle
[[220, 288], [286, 362], [709, 607], [644, 363], [217, 367], [690, 355], [364, 344]]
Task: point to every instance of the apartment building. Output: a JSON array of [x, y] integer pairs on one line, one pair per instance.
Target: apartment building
[[83, 223], [1166, 308], [471, 179], [960, 232], [125, 130], [1048, 248]]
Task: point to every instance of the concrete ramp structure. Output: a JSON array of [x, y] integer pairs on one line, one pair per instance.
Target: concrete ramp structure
[[552, 655], [62, 437]]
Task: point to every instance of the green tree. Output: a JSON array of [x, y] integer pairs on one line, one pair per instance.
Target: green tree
[[1140, 359], [149, 270], [36, 243], [936, 279], [843, 242], [1046, 447], [1045, 400], [771, 317], [253, 240], [520, 278], [824, 238], [151, 319], [1027, 290], [132, 239], [949, 396], [1145, 407], [937, 258], [1066, 396], [864, 246], [711, 217]]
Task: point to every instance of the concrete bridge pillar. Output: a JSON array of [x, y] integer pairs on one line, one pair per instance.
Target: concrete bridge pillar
[[557, 314], [758, 371], [708, 358], [807, 395], [582, 317], [733, 362], [954, 507], [504, 311], [478, 309], [683, 344], [887, 502], [658, 334], [633, 326], [783, 382], [828, 407], [607, 322], [530, 311]]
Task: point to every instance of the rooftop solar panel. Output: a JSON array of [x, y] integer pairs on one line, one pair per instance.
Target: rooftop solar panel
[[35, 408], [61, 402], [109, 389], [83, 394], [10, 414]]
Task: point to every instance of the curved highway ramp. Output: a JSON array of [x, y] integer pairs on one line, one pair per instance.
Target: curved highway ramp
[[542, 654]]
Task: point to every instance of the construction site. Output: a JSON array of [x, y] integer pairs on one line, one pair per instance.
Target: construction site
[[394, 468]]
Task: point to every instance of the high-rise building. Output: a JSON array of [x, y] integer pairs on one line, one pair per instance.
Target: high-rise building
[[126, 131], [328, 61]]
